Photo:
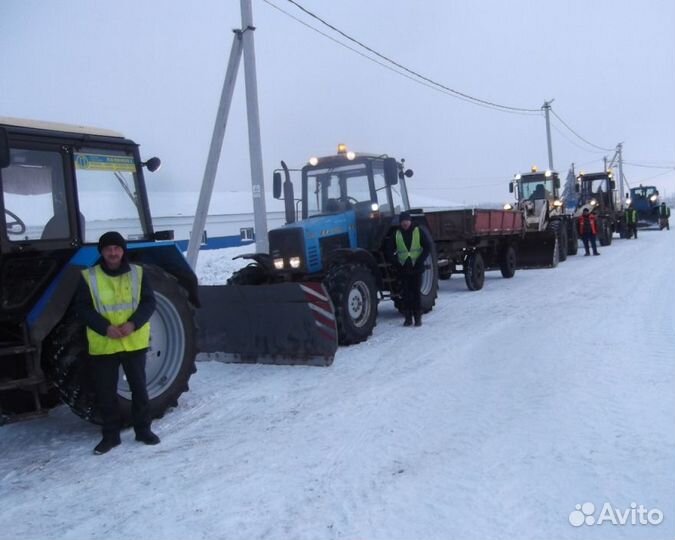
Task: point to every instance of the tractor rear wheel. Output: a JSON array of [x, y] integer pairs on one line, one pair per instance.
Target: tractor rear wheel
[[353, 291], [170, 360], [573, 239]]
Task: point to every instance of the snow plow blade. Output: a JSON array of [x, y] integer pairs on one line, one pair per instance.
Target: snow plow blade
[[285, 323], [538, 250]]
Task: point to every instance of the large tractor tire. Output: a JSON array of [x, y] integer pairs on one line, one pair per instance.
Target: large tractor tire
[[252, 274], [170, 360], [474, 271], [573, 239], [604, 232], [563, 242], [508, 263], [353, 290]]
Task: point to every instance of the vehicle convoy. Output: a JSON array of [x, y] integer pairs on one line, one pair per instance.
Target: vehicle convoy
[[340, 232], [62, 186], [645, 199], [551, 234], [597, 193]]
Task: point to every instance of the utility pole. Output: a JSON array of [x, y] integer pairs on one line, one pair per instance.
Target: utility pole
[[242, 44], [619, 150], [254, 146], [547, 109], [214, 151]]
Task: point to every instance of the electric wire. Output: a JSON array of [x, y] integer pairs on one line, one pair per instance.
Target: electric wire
[[579, 136], [417, 76]]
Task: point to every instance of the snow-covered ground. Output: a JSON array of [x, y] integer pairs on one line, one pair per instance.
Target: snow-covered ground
[[508, 408]]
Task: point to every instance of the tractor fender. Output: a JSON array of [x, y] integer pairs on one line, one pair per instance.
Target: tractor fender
[[342, 256], [169, 258]]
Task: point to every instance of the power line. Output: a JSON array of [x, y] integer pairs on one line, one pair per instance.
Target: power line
[[645, 166], [579, 136], [447, 89], [572, 142]]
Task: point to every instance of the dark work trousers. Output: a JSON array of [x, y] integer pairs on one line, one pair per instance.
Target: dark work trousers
[[632, 230], [589, 237], [410, 291], [105, 372]]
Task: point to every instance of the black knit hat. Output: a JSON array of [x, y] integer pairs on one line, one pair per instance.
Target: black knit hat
[[405, 216], [111, 238]]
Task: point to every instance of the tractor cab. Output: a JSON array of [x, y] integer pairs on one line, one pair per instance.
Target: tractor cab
[[537, 194], [347, 201], [597, 192]]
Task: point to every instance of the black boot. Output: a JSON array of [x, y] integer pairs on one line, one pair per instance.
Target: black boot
[[408, 319], [106, 444], [146, 436], [418, 318]]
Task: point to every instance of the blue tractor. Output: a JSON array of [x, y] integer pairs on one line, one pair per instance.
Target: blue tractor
[[339, 233], [645, 199], [61, 187]]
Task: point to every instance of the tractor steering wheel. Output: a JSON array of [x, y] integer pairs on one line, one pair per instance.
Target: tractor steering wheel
[[12, 225]]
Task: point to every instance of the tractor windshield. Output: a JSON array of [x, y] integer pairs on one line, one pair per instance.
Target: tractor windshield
[[336, 189], [536, 186], [594, 186], [107, 191]]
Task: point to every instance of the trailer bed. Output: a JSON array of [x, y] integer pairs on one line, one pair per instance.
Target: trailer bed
[[471, 223]]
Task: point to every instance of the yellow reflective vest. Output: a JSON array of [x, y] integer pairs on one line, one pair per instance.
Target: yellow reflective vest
[[116, 298], [404, 252]]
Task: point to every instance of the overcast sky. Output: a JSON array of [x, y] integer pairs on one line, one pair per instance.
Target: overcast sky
[[154, 71]]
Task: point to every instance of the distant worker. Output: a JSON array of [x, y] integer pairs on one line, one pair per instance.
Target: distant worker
[[664, 214], [412, 249], [631, 217], [115, 301], [588, 230]]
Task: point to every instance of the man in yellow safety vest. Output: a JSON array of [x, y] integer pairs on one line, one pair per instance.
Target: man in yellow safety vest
[[115, 301], [412, 249]]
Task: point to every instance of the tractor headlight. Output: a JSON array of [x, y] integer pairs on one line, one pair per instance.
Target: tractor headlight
[[314, 161], [279, 263], [350, 155], [629, 200], [548, 173], [508, 206], [557, 203], [374, 207], [653, 198], [294, 262], [593, 202]]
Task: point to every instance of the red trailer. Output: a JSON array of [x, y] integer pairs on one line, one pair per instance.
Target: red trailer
[[472, 241]]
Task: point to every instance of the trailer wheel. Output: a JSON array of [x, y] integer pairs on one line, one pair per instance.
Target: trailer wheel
[[507, 265], [354, 293], [170, 360], [474, 271]]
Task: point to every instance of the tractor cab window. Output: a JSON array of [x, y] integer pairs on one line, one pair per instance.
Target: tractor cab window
[[337, 189], [536, 187], [107, 191], [593, 187], [34, 196]]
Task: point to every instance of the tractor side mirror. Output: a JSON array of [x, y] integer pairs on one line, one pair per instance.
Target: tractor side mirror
[[153, 164], [557, 182], [4, 149], [510, 187], [390, 171], [577, 188], [612, 184], [276, 185]]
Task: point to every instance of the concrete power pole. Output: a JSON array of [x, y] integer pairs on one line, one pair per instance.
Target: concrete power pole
[[547, 109], [619, 150], [243, 43], [255, 149]]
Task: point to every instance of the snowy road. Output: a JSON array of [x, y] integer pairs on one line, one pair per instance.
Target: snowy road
[[510, 406]]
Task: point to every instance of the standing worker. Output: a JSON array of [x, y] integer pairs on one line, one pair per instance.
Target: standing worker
[[664, 214], [115, 301], [631, 221], [588, 230], [412, 249]]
